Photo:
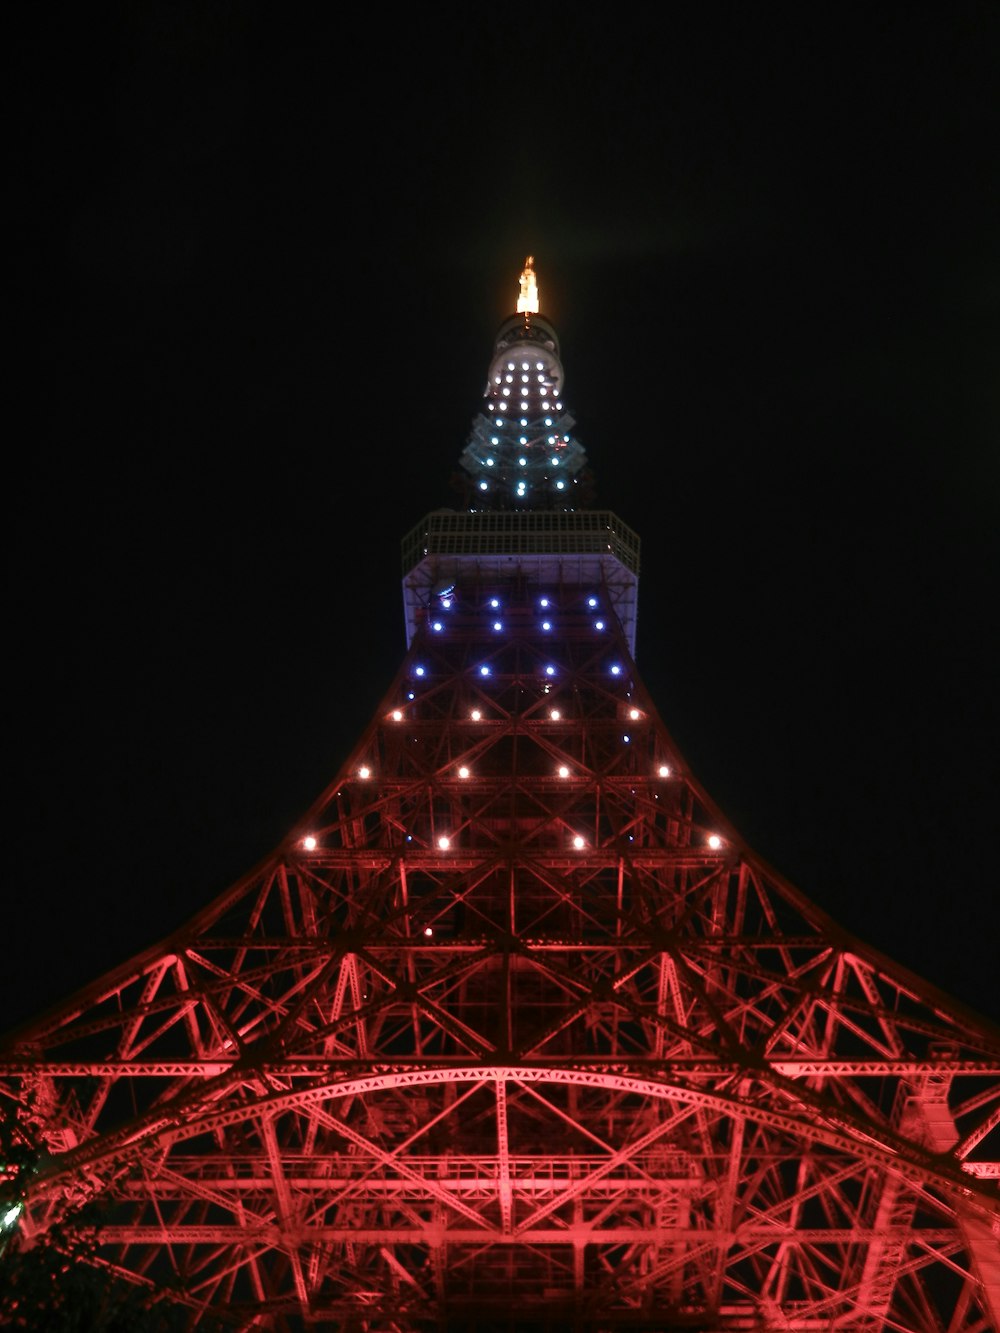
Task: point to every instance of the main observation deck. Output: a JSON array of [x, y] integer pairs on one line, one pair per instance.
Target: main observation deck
[[547, 548]]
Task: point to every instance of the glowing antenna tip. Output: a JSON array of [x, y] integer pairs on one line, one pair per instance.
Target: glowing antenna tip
[[527, 301]]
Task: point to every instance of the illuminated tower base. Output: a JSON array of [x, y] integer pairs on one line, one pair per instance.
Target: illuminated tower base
[[514, 1032]]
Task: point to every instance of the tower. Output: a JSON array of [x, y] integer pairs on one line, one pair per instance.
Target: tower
[[513, 1031]]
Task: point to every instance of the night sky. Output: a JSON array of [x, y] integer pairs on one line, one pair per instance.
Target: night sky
[[257, 271]]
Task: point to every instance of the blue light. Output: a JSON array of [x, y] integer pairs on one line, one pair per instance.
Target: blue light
[[410, 695], [543, 601], [437, 626], [523, 440], [419, 671], [494, 602], [546, 624], [522, 462], [489, 462], [616, 670], [560, 485], [550, 671], [598, 624], [626, 739], [484, 671], [498, 625], [494, 439], [591, 601], [483, 486]]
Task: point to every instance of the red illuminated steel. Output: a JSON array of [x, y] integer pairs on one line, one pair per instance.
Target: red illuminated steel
[[645, 1079]]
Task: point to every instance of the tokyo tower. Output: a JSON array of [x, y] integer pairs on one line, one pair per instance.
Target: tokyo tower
[[513, 1031]]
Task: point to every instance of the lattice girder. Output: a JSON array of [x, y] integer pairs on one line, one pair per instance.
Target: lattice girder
[[514, 1011]]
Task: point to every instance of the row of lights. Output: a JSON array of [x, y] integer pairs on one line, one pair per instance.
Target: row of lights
[[310, 843], [551, 669], [505, 402], [438, 625], [507, 392], [555, 715], [543, 602], [494, 603], [522, 486], [364, 771], [505, 398], [524, 420], [522, 461]]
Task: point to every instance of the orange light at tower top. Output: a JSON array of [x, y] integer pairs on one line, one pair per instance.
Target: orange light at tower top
[[527, 301]]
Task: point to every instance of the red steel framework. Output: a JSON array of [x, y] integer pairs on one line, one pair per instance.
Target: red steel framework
[[515, 1032]]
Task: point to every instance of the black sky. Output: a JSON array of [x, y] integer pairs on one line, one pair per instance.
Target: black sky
[[257, 268]]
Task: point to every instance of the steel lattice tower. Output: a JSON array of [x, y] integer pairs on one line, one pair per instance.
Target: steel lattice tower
[[514, 1031]]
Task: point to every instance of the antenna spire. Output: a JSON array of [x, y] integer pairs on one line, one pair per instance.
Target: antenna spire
[[527, 301]]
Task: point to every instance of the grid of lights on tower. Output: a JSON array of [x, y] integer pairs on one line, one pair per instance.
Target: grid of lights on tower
[[521, 452], [484, 672]]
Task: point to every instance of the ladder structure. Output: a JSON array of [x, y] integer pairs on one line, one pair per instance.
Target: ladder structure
[[514, 1031]]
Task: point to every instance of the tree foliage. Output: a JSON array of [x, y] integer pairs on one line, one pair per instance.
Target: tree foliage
[[55, 1281]]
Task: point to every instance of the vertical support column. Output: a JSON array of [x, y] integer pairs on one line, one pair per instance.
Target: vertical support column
[[503, 1161], [930, 1104]]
